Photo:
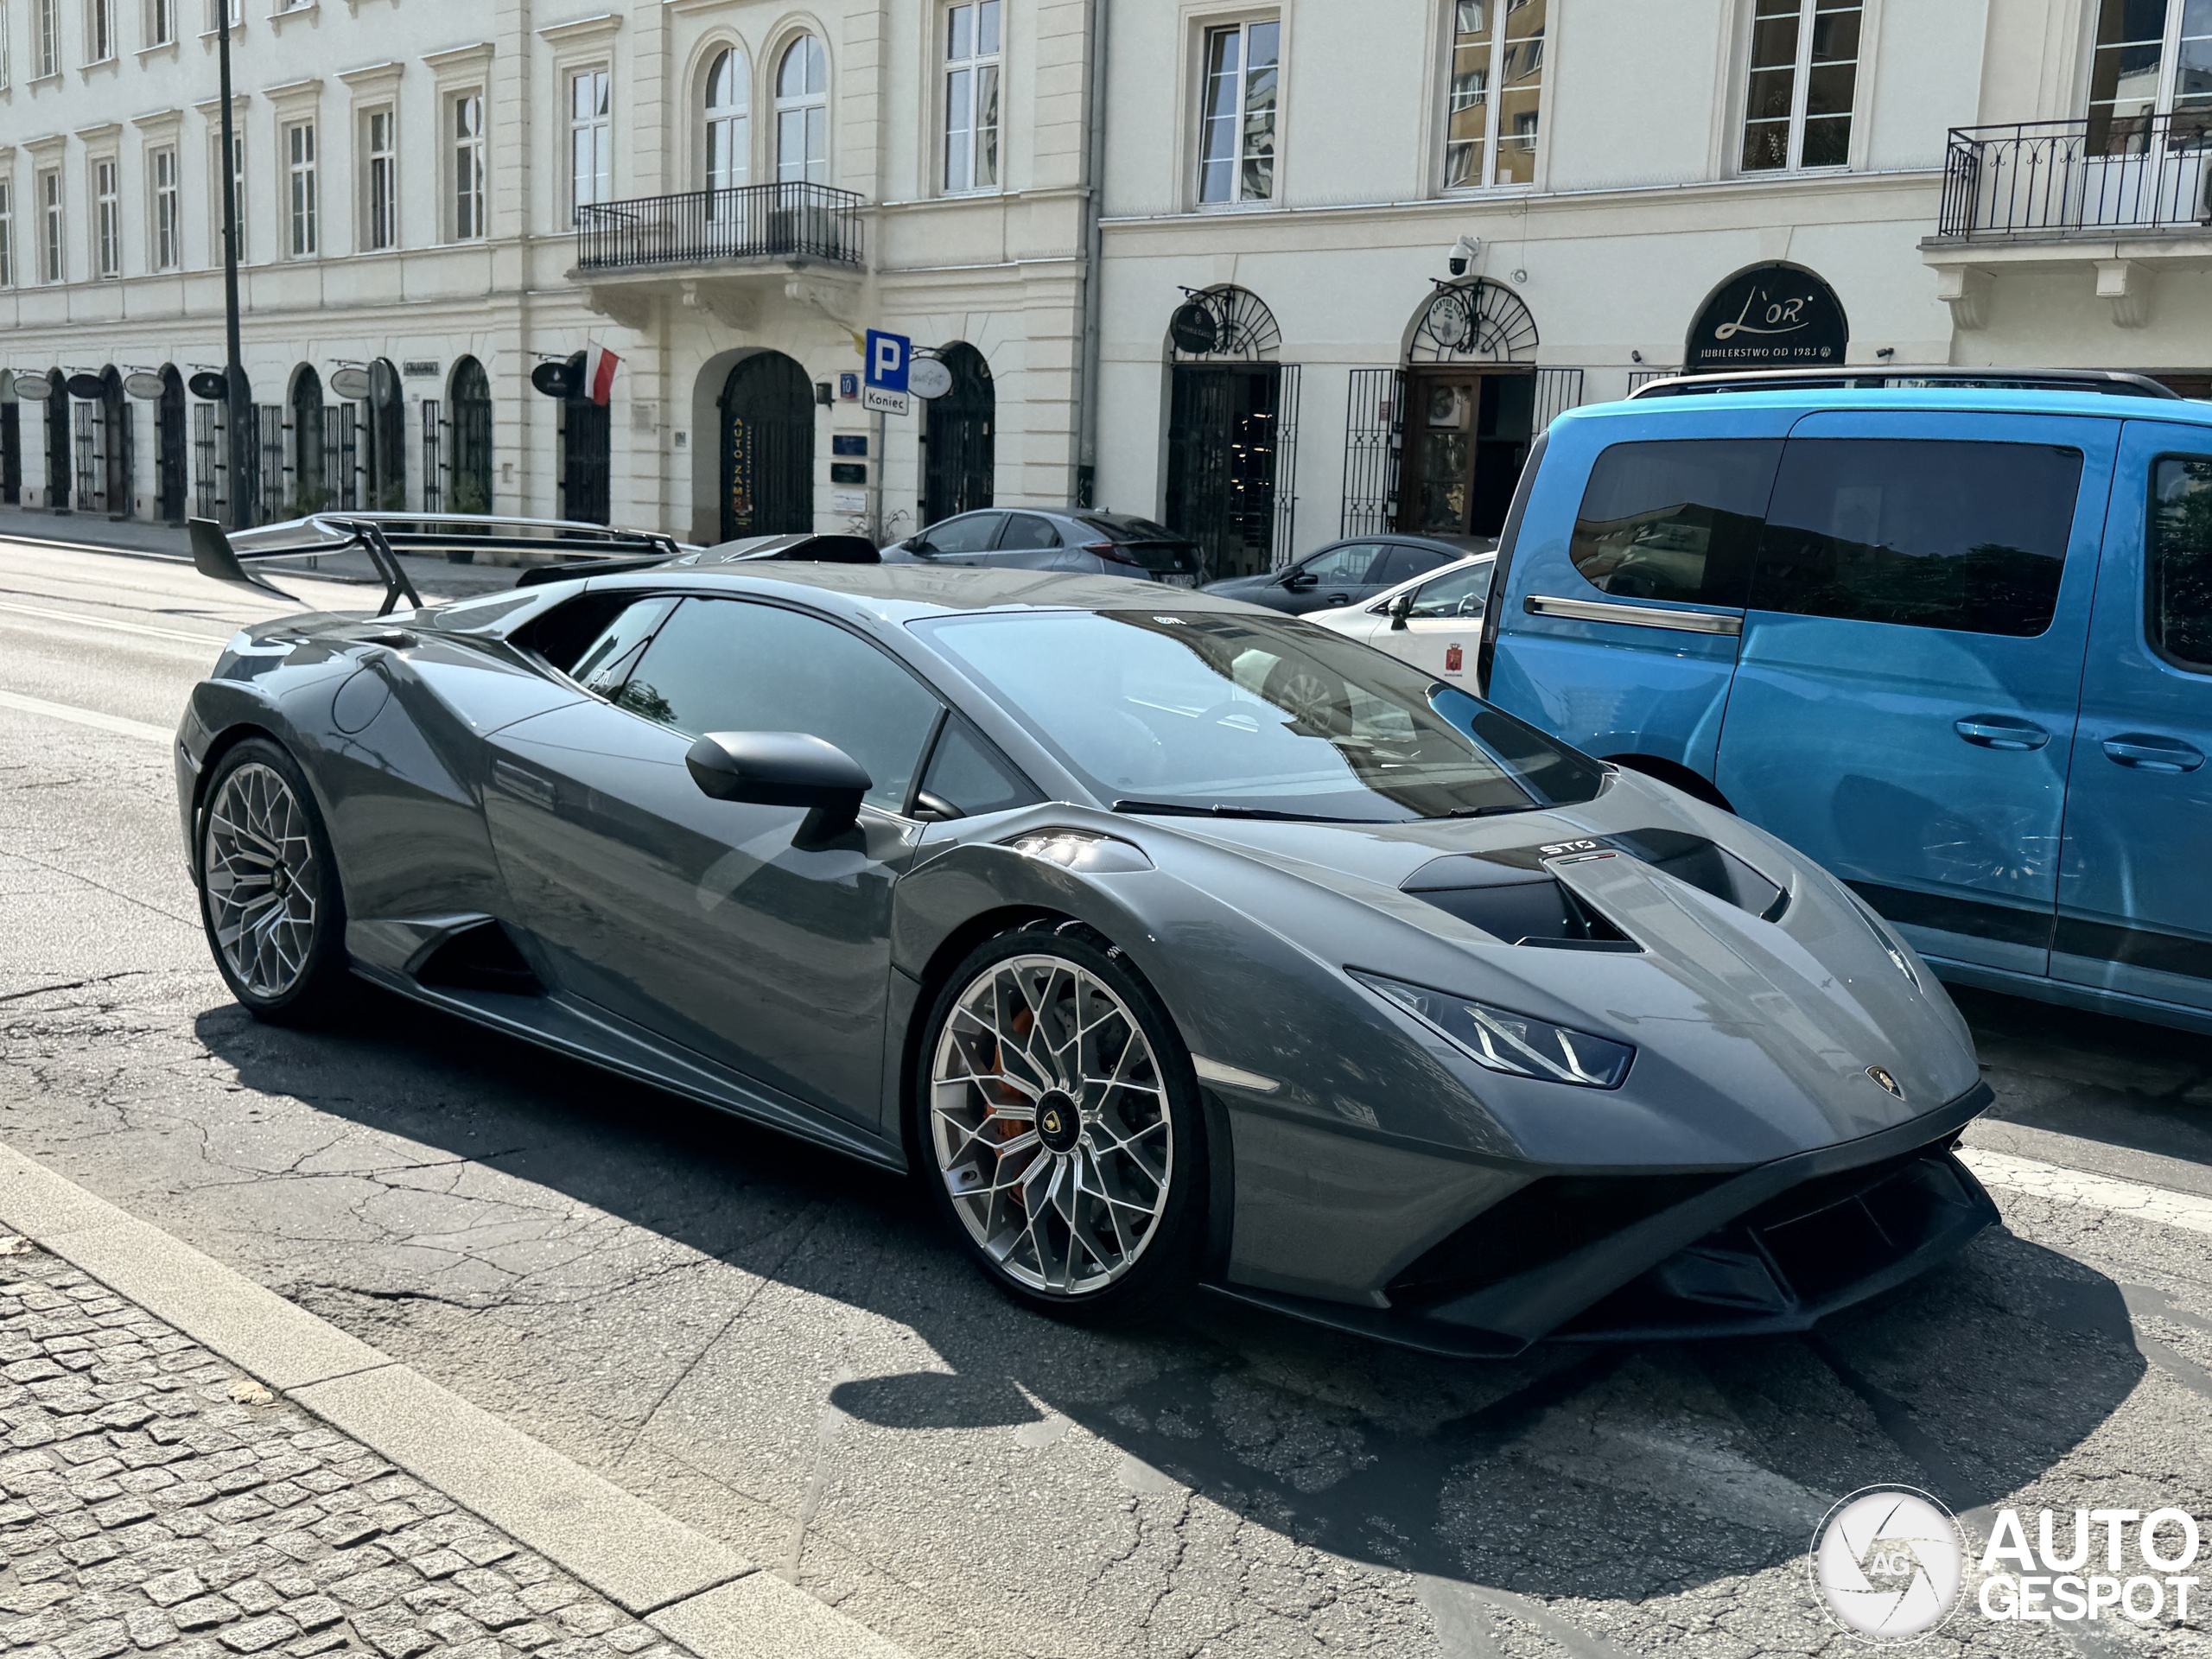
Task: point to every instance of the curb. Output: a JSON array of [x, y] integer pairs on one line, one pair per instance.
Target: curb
[[695, 1591]]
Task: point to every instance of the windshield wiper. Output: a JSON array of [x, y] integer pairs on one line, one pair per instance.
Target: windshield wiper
[[1494, 812], [1186, 809]]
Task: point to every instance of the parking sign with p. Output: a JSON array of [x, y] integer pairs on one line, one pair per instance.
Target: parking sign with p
[[889, 357]]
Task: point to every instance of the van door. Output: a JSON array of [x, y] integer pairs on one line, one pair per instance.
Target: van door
[[1905, 694], [2135, 887]]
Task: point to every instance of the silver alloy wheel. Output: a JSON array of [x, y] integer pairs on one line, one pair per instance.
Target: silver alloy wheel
[[258, 866], [1311, 698], [1049, 1119]]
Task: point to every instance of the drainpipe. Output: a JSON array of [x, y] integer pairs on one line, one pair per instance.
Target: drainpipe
[[1094, 169]]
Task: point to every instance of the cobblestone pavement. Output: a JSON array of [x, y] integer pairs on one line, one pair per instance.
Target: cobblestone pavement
[[156, 1502]]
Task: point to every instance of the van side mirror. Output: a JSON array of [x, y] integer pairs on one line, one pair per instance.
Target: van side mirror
[[1401, 608], [783, 769]]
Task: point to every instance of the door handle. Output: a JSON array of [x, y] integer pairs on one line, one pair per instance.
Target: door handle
[[2148, 754], [1997, 732], [1334, 598]]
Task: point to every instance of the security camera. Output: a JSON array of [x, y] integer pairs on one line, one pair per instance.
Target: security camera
[[1462, 254]]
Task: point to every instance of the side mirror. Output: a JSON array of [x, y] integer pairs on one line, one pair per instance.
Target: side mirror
[[783, 769], [1300, 581], [1401, 608]]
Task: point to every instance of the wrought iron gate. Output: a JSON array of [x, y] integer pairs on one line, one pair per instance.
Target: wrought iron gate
[[1374, 437], [434, 469], [1232, 448], [11, 453], [168, 450], [208, 463], [587, 443], [959, 467]]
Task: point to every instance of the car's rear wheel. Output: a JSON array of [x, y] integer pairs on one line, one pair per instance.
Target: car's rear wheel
[[268, 893], [1059, 1123]]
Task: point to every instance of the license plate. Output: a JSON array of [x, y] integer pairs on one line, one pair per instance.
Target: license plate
[[1180, 581]]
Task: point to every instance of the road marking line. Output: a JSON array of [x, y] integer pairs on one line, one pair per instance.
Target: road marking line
[[2185, 1209], [97, 721], [209, 640]]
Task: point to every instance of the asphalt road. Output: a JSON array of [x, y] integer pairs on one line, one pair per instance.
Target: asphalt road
[[776, 1346]]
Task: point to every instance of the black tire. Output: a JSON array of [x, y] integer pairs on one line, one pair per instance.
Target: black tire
[[1163, 1263], [297, 973]]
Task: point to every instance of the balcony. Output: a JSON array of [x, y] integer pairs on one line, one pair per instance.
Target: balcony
[[2125, 197], [788, 222]]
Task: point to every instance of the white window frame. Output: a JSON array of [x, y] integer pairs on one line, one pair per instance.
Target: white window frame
[[1236, 121], [302, 189], [7, 230], [160, 22], [730, 122], [1491, 95], [100, 32], [591, 136], [7, 56], [54, 226], [165, 241], [971, 162], [467, 173], [217, 8], [104, 188], [2170, 53], [809, 108], [46, 27], [380, 178], [1802, 70]]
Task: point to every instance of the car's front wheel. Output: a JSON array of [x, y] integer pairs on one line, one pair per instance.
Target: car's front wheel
[[1059, 1127], [268, 892]]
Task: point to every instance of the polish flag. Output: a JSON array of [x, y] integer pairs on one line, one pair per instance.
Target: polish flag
[[599, 365]]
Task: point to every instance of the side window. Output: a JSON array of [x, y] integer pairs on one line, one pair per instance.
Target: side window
[[969, 533], [1461, 593], [610, 656], [1968, 536], [1026, 530], [729, 665], [966, 777], [1675, 521], [1345, 564], [1400, 564], [2177, 577]]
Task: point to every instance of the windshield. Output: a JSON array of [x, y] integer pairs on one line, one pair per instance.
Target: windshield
[[1257, 716]]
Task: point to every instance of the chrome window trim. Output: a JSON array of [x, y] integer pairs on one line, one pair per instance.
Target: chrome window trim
[[1635, 616]]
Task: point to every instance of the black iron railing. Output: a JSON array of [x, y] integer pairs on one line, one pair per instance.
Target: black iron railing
[[755, 221], [2104, 173]]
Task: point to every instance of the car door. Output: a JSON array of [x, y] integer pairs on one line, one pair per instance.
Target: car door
[[712, 923], [1335, 576], [1028, 543], [1444, 624], [965, 540], [2135, 886], [1909, 672]]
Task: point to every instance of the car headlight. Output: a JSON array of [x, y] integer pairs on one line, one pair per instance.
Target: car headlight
[[1502, 1040]]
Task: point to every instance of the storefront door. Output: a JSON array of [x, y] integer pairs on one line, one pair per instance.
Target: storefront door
[[1467, 431], [1223, 427]]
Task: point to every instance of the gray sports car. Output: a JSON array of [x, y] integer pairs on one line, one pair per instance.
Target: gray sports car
[[1170, 940]]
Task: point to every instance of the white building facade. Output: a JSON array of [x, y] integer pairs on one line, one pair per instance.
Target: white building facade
[[1272, 273]]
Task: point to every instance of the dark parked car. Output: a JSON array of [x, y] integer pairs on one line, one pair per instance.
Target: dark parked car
[[1081, 543], [1345, 573]]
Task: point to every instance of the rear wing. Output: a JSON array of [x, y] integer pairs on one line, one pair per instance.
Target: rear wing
[[550, 544]]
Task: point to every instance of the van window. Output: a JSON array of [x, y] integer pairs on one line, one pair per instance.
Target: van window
[[2179, 579], [1968, 536], [1677, 520]]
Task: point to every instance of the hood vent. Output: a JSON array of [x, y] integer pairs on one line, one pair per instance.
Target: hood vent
[[1706, 865], [1521, 907]]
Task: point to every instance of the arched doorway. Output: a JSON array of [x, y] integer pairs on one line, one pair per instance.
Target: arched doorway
[[11, 441], [387, 437], [470, 465], [1470, 409], [767, 447], [310, 490], [1231, 432], [959, 466], [57, 441], [168, 448], [586, 444], [114, 425]]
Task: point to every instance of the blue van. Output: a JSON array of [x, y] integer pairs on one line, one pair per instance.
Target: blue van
[[1953, 642]]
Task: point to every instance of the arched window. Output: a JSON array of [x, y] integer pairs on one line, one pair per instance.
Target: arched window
[[729, 102], [803, 114]]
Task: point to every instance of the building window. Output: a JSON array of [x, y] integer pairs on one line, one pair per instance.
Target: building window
[[591, 139], [7, 66], [1496, 92], [107, 220], [7, 234], [380, 188], [216, 9], [803, 114], [1236, 138], [99, 30], [49, 241], [160, 173], [238, 190], [49, 38], [467, 131], [160, 22], [971, 97], [729, 139], [2153, 58], [300, 184], [1804, 74]]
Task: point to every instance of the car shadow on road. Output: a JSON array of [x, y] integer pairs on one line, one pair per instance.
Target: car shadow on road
[[1624, 1473]]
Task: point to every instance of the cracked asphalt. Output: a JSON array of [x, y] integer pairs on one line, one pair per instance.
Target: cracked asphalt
[[776, 1346]]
